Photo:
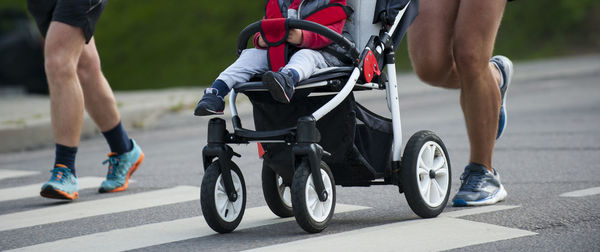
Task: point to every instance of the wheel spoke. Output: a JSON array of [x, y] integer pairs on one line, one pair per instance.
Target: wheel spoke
[[433, 193], [422, 172], [424, 183], [438, 163], [223, 207], [439, 189], [220, 187], [441, 172], [430, 155], [311, 197]]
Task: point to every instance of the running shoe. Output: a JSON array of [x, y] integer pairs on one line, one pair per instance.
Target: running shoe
[[479, 187], [62, 185], [210, 104], [505, 66], [280, 85], [120, 169]]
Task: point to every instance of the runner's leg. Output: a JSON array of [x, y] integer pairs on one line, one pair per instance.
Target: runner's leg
[[475, 33], [99, 99], [63, 46], [430, 41]]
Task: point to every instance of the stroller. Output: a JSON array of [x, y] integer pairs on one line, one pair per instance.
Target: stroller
[[324, 137]]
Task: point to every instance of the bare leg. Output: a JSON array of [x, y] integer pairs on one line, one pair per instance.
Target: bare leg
[[430, 42], [99, 99], [62, 49], [476, 28]]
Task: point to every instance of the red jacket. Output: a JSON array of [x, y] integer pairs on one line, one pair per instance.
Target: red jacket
[[312, 40]]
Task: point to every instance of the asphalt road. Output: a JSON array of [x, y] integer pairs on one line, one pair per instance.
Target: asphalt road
[[551, 147]]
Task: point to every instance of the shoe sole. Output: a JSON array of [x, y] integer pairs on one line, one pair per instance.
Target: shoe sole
[[134, 167], [206, 112], [52, 193], [276, 89], [500, 195]]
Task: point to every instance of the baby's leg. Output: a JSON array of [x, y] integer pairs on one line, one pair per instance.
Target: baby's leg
[[252, 61], [305, 62]]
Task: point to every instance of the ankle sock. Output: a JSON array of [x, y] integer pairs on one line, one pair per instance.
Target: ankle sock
[[65, 156], [118, 140], [221, 87], [292, 73]]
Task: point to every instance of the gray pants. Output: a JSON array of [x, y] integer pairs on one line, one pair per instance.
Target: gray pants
[[254, 61]]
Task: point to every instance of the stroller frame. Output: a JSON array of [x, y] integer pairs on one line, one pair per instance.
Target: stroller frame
[[305, 137]]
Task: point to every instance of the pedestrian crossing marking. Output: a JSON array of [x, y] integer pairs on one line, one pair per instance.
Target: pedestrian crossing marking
[[163, 232], [441, 233], [582, 193], [77, 210], [477, 210], [28, 191], [6, 174]]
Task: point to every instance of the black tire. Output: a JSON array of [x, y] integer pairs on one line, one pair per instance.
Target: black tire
[[299, 198], [219, 223], [273, 192], [436, 186]]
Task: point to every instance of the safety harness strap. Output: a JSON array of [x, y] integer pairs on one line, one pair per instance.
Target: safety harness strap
[[274, 29]]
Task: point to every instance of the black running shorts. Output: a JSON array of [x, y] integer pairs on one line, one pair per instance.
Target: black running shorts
[[78, 13]]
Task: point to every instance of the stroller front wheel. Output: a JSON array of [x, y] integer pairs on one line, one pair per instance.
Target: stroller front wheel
[[220, 213], [311, 213], [426, 176]]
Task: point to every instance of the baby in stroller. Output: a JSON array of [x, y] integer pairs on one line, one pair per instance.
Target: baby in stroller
[[307, 51], [323, 137]]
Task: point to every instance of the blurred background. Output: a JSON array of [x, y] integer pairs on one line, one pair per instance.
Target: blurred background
[[152, 44]]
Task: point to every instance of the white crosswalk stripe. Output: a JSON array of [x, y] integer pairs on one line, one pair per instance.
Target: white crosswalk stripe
[[582, 193], [433, 234], [29, 191], [7, 174], [85, 209], [170, 231], [447, 230]]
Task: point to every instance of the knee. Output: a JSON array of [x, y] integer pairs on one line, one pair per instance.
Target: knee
[[59, 67], [470, 63]]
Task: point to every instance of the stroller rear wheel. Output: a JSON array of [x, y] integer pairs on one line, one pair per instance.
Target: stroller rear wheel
[[312, 214], [277, 194], [426, 176], [221, 214]]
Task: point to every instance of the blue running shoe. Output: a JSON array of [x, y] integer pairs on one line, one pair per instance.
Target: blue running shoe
[[505, 66], [120, 169], [62, 185], [210, 104], [479, 187]]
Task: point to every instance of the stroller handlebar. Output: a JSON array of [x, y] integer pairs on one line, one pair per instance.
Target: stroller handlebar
[[253, 28]]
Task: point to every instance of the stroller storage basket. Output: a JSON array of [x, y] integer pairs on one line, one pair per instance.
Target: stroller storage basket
[[358, 140]]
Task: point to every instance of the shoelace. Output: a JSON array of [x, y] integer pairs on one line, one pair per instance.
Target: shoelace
[[60, 175], [473, 180], [113, 163]]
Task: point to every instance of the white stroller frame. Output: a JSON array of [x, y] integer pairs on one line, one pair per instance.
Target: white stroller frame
[[416, 179]]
